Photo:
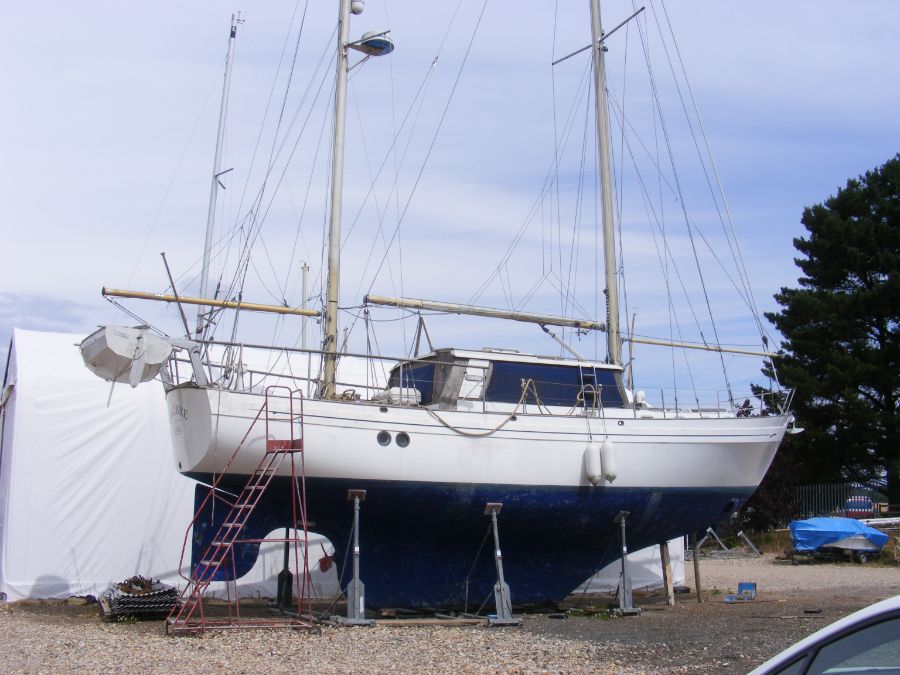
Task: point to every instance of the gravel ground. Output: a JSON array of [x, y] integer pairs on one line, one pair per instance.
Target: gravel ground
[[710, 637]]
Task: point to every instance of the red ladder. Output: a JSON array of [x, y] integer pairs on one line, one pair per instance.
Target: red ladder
[[189, 615]]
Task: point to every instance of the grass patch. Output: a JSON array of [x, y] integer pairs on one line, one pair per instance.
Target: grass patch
[[772, 541], [600, 614]]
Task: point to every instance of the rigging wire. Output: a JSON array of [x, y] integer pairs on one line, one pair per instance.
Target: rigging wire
[[395, 187], [740, 258], [434, 138], [382, 213], [688, 224], [250, 217], [667, 261], [171, 183], [555, 170], [731, 240], [618, 111], [574, 247], [620, 191], [413, 112], [228, 237], [141, 320], [287, 89], [257, 220], [545, 189], [408, 201]]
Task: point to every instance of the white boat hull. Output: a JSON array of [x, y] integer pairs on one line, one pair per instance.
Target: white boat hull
[[423, 520], [341, 441]]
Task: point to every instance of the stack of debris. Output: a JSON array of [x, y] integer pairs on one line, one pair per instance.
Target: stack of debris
[[138, 598]]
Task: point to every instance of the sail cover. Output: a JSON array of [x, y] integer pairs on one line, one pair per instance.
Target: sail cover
[[809, 535]]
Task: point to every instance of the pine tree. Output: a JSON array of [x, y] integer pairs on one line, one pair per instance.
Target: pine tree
[[841, 348]]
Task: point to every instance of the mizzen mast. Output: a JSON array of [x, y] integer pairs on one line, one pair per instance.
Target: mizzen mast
[[217, 171]]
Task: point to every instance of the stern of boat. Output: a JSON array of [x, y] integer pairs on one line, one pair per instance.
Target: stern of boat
[[190, 424]]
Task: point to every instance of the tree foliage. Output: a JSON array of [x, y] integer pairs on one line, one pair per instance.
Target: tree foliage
[[841, 348]]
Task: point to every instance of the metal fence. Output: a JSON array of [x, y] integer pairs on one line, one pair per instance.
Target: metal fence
[[837, 499]]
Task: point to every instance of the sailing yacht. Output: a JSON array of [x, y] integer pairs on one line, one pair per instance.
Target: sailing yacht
[[561, 442]]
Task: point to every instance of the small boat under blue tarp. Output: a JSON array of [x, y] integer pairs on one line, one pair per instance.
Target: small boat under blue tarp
[[842, 533]]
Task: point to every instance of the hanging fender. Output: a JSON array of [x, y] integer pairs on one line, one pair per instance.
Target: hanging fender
[[608, 460], [600, 462], [593, 469]]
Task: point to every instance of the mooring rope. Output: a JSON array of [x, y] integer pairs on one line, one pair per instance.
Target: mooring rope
[[529, 384]]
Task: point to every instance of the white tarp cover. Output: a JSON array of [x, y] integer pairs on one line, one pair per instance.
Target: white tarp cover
[[89, 494], [644, 568]]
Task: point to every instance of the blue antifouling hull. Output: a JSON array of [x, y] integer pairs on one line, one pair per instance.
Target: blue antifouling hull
[[427, 545]]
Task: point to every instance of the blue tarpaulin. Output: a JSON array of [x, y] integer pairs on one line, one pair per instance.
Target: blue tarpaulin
[[809, 535]]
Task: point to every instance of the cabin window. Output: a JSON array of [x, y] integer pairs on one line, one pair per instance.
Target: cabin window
[[556, 385]]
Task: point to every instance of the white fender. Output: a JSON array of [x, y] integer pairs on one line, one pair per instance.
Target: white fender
[[608, 460], [593, 466]]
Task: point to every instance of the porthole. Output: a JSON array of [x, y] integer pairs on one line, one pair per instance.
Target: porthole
[[403, 439], [621, 423], [383, 438], [382, 409]]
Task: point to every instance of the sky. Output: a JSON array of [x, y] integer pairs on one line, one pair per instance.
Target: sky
[[107, 132]]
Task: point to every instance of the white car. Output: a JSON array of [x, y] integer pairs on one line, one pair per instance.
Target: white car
[[867, 641]]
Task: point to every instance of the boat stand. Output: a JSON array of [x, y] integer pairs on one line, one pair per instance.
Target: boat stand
[[625, 599], [743, 536], [712, 533], [356, 590], [502, 598]]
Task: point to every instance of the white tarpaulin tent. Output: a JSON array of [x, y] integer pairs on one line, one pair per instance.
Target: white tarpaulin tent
[[89, 494]]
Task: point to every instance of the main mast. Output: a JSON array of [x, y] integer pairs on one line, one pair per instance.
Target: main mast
[[332, 291], [217, 171], [371, 44], [614, 345]]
